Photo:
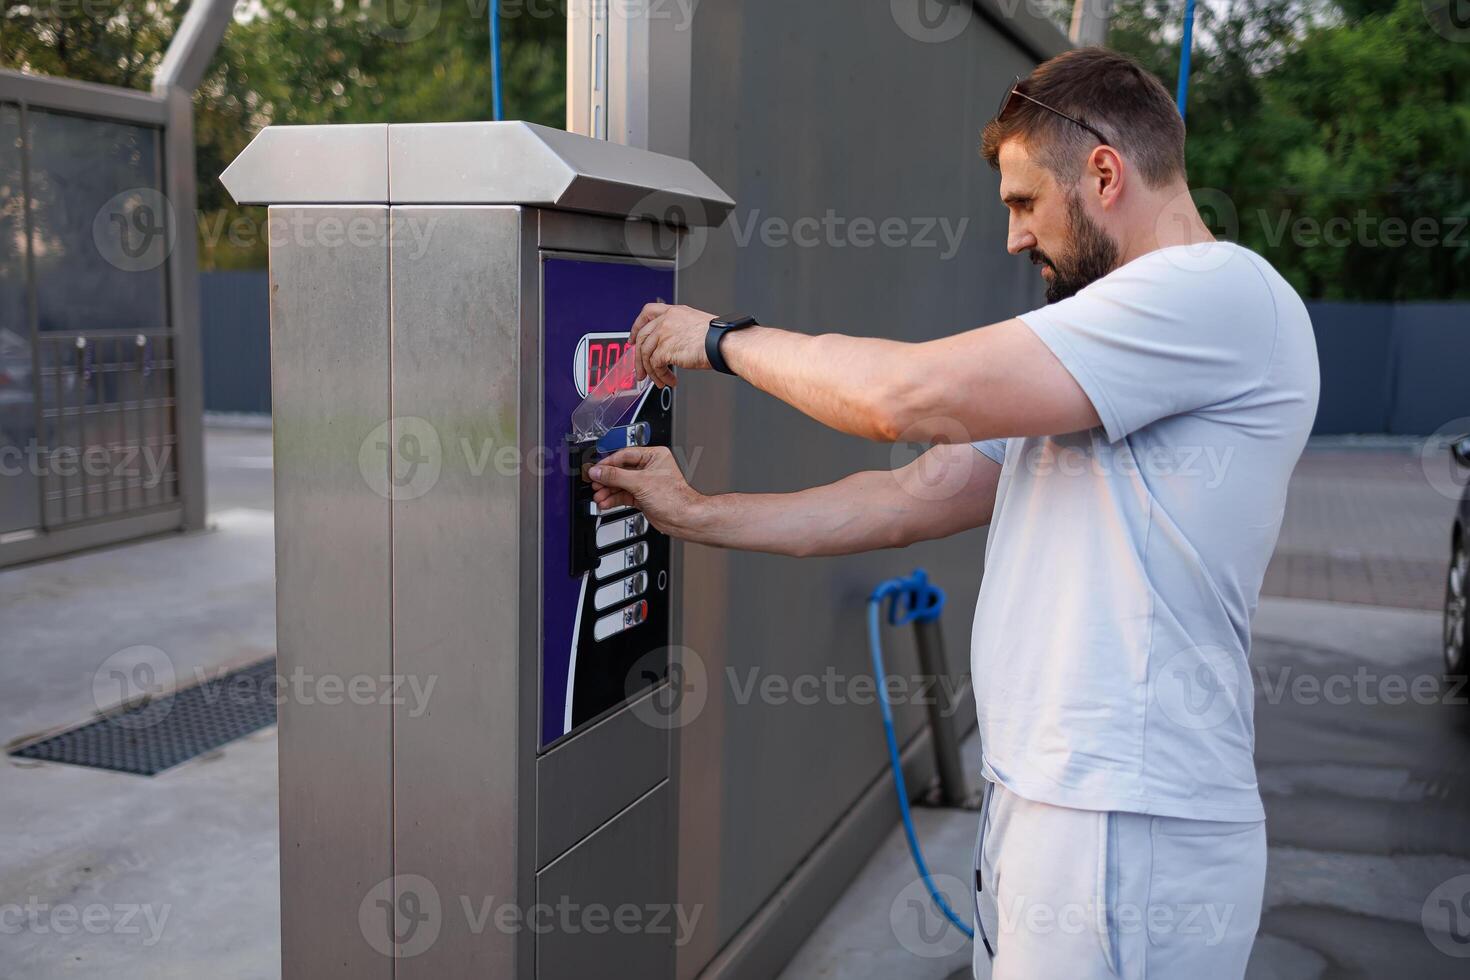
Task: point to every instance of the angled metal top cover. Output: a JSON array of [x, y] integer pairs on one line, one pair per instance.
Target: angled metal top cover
[[471, 163]]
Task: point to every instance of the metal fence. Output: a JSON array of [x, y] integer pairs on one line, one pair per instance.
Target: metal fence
[[110, 395], [99, 430]]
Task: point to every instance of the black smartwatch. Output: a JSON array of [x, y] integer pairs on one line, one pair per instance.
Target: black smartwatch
[[718, 327]]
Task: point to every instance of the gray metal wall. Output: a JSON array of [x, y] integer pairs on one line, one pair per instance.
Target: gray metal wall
[[1391, 368], [1386, 368], [801, 109], [236, 332], [1431, 353], [1353, 352]]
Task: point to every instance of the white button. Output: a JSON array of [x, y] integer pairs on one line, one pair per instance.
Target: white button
[[620, 591], [614, 623], [621, 561], [611, 532]]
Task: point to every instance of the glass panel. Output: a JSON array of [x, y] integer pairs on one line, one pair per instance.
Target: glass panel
[[101, 228], [19, 486]]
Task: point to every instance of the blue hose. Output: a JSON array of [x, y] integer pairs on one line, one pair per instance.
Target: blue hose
[[922, 602], [497, 103], [1186, 45]]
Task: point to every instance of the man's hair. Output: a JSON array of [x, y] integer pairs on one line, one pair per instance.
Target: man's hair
[[1110, 92]]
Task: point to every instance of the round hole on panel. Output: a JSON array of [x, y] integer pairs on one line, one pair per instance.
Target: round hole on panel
[[663, 580], [666, 398]]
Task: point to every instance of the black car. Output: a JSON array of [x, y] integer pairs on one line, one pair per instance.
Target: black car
[[1456, 659]]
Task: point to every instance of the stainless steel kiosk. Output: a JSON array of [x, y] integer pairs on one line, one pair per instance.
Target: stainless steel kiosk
[[475, 773]]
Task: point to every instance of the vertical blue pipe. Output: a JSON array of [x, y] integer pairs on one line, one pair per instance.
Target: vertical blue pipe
[[1185, 44], [495, 86]]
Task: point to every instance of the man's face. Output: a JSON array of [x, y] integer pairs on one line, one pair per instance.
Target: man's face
[[1050, 223]]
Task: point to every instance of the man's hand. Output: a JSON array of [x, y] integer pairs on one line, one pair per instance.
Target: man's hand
[[666, 337], [647, 477]]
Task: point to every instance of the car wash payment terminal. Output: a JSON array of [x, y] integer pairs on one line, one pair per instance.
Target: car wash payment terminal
[[443, 298]]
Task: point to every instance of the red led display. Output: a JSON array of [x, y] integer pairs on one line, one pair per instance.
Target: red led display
[[602, 357]]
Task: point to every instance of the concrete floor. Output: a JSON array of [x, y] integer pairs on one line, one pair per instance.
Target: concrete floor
[[119, 876], [1366, 523], [1368, 812], [176, 876]]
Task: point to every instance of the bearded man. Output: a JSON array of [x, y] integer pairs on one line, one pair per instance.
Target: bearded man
[[1111, 633]]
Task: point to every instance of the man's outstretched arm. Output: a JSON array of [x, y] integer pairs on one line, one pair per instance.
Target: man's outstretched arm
[[994, 381], [946, 490]]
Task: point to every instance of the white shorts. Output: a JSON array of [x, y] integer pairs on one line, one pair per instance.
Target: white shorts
[[1083, 894]]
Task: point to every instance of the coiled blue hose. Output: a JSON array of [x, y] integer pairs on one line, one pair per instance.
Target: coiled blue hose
[[923, 602]]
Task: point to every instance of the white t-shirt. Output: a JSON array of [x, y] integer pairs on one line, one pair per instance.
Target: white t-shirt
[[1124, 563]]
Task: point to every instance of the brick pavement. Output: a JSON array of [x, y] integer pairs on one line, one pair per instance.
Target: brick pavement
[[1364, 524]]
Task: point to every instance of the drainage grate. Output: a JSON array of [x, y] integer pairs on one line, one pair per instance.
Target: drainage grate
[[166, 731]]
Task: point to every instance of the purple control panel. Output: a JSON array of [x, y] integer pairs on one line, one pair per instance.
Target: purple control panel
[[604, 627]]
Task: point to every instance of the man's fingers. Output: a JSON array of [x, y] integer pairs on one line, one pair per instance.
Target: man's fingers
[[658, 368], [623, 469], [645, 347], [640, 371], [631, 458], [665, 368], [607, 498], [615, 477], [649, 313]]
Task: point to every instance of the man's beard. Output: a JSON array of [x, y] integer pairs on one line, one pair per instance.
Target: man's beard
[[1091, 256]]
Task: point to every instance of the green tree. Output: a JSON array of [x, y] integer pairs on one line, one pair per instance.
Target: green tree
[[117, 42], [1335, 140], [1373, 122], [315, 61]]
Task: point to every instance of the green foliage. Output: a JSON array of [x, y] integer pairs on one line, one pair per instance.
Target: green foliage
[[1335, 141], [1335, 136], [315, 61], [118, 42], [304, 61]]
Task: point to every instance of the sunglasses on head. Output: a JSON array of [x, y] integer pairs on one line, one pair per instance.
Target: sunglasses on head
[[1014, 92]]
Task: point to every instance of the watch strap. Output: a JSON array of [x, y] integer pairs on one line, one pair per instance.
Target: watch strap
[[718, 327]]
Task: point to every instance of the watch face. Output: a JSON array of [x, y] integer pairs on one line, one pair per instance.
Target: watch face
[[739, 321]]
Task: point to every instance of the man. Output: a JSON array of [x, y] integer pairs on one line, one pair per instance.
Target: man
[[1130, 445]]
